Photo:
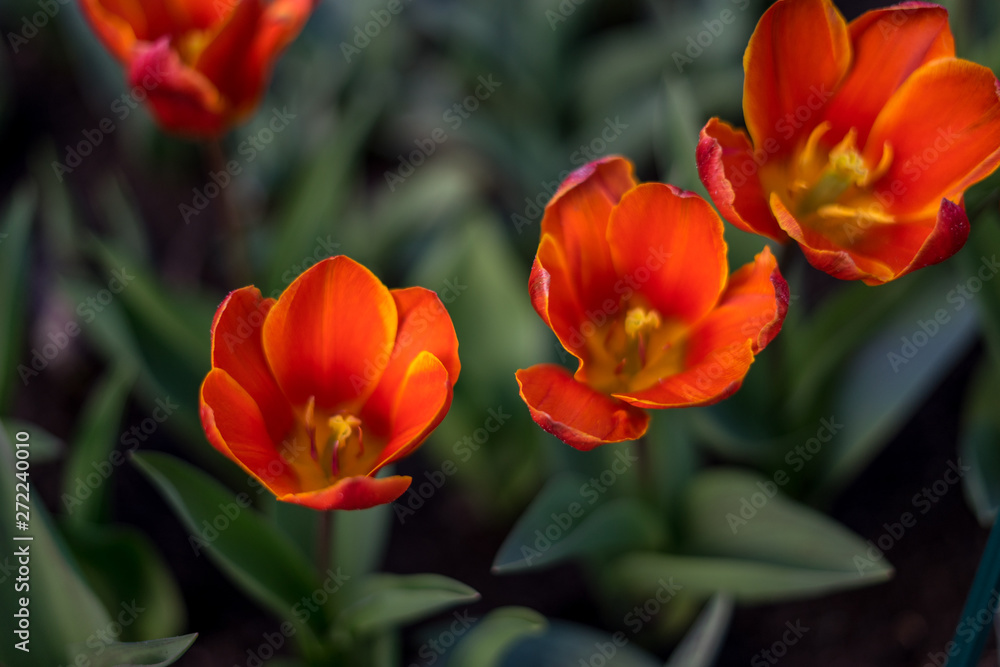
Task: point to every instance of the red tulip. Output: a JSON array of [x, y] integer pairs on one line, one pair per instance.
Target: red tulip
[[313, 393], [634, 282], [863, 138], [203, 65]]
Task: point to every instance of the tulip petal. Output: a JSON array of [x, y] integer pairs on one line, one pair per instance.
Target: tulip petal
[[715, 371], [575, 413], [117, 24], [282, 22], [797, 56], [727, 168], [669, 242], [422, 401], [352, 493], [328, 332], [889, 45], [237, 348], [235, 426], [424, 325], [581, 274], [943, 125], [180, 98]]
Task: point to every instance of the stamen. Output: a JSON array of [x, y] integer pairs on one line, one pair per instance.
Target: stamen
[[341, 429], [310, 423], [638, 324], [809, 151]]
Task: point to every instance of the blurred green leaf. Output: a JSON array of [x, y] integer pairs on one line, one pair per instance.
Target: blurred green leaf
[[15, 225], [979, 444], [492, 637], [127, 228], [681, 127], [63, 609], [701, 645], [125, 568], [154, 653], [614, 527], [95, 440], [884, 382], [747, 581], [733, 513], [258, 558], [180, 324], [388, 600], [564, 644], [45, 447], [360, 538]]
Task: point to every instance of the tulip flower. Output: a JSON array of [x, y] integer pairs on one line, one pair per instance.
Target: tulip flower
[[863, 138], [633, 280], [315, 392], [202, 65]]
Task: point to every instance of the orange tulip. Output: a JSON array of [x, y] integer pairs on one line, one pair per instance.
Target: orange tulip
[[634, 282], [863, 138], [203, 65], [313, 393]]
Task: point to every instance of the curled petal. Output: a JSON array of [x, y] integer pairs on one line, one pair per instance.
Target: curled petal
[[943, 125], [180, 97], [727, 167], [669, 244], [575, 413], [235, 426], [352, 493], [328, 332], [422, 401], [424, 325]]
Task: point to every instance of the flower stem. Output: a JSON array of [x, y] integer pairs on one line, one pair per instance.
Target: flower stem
[[984, 588], [324, 540], [647, 490], [233, 231]]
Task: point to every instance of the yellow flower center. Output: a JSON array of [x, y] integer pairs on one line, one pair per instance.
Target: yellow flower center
[[324, 447], [634, 350], [830, 190]]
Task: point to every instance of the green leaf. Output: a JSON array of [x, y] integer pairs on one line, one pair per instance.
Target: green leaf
[[557, 496], [565, 644], [387, 600], [878, 392], [124, 567], [155, 653], [15, 225], [179, 323], [255, 555], [360, 538], [63, 609], [96, 438], [979, 444], [732, 513], [613, 527], [701, 645], [492, 637]]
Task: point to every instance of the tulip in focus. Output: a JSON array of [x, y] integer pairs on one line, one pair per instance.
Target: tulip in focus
[[315, 392], [203, 65], [863, 138], [634, 282]]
